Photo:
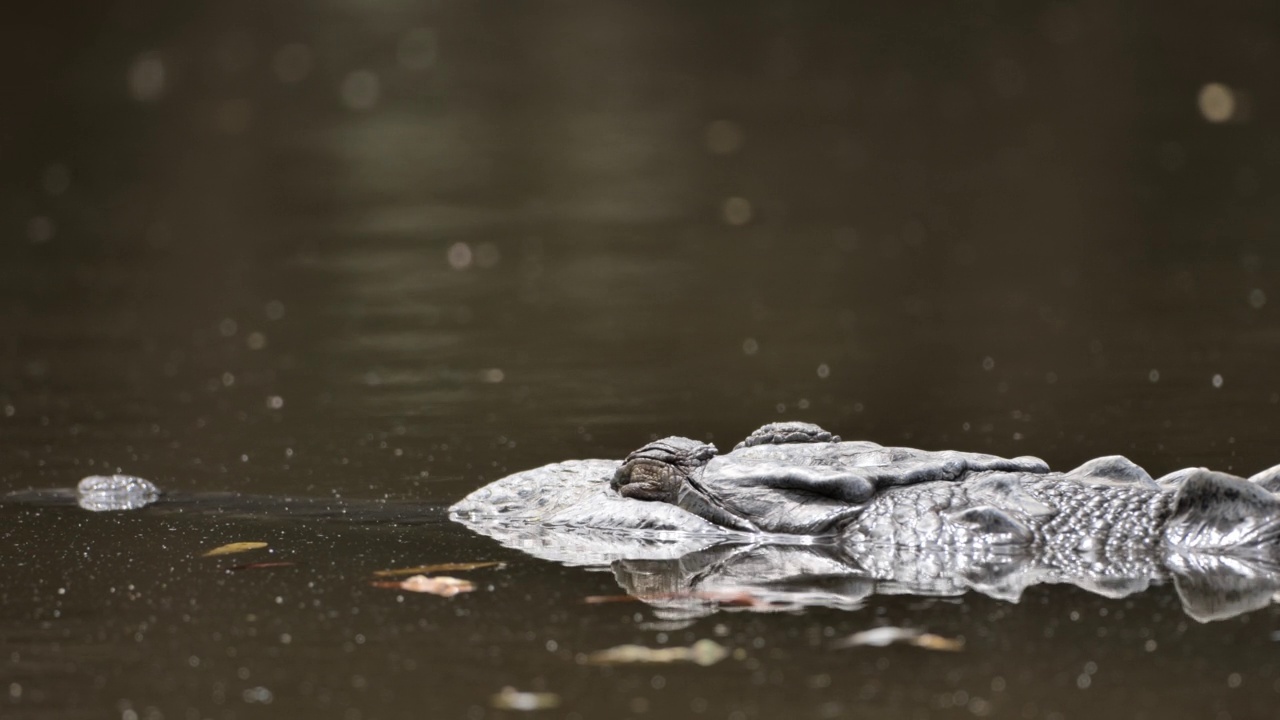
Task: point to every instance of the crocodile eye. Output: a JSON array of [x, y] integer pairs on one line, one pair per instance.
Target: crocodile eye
[[647, 480]]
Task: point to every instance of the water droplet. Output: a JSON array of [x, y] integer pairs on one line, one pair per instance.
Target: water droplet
[[988, 363], [736, 211], [1257, 298], [460, 256], [1217, 102], [823, 371], [1217, 381], [146, 78], [1154, 375]]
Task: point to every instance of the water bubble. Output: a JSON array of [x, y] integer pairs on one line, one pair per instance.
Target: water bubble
[[1154, 375], [1257, 298], [736, 211], [292, 63], [360, 90], [146, 78], [988, 363], [459, 256], [823, 371], [1217, 381], [750, 346], [1217, 102], [256, 341], [227, 327], [492, 375], [275, 402]]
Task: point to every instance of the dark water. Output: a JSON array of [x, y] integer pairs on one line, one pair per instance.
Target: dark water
[[369, 250]]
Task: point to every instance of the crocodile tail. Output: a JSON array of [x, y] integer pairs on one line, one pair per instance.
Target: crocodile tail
[[1219, 513]]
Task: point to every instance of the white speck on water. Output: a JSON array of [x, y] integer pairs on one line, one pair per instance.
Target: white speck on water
[[227, 327], [1234, 680], [736, 211], [1150, 646], [781, 408], [275, 402], [228, 379], [10, 411], [244, 458], [1217, 381], [823, 371], [1217, 102], [1257, 298], [257, 695], [256, 341], [1154, 375], [360, 90], [15, 690], [460, 256], [274, 310], [146, 78], [492, 375], [803, 403], [128, 714], [988, 363], [750, 346], [1084, 681]]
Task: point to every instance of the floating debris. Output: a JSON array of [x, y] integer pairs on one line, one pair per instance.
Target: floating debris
[[105, 493], [262, 565], [508, 698], [438, 567], [884, 636], [442, 585], [704, 653], [233, 548]]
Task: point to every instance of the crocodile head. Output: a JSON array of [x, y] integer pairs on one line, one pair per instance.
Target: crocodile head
[[669, 471]]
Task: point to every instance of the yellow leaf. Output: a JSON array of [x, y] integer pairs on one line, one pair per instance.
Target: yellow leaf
[[232, 548]]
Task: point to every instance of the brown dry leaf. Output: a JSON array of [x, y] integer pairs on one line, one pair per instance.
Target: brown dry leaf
[[882, 636], [704, 653], [438, 567], [442, 585], [262, 565], [511, 699], [233, 548]]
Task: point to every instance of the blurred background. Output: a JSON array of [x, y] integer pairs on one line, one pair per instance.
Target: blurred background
[[375, 244]]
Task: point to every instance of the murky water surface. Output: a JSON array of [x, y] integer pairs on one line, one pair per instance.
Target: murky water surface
[[391, 251]]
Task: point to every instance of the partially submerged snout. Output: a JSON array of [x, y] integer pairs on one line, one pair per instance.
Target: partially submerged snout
[[659, 470]]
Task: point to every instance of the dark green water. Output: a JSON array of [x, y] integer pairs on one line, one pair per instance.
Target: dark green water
[[397, 250]]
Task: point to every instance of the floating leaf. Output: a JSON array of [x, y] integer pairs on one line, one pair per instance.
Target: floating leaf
[[232, 548], [703, 652], [511, 699], [262, 565], [438, 567], [883, 636], [442, 585]]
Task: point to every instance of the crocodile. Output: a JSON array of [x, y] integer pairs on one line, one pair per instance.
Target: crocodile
[[930, 522]]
